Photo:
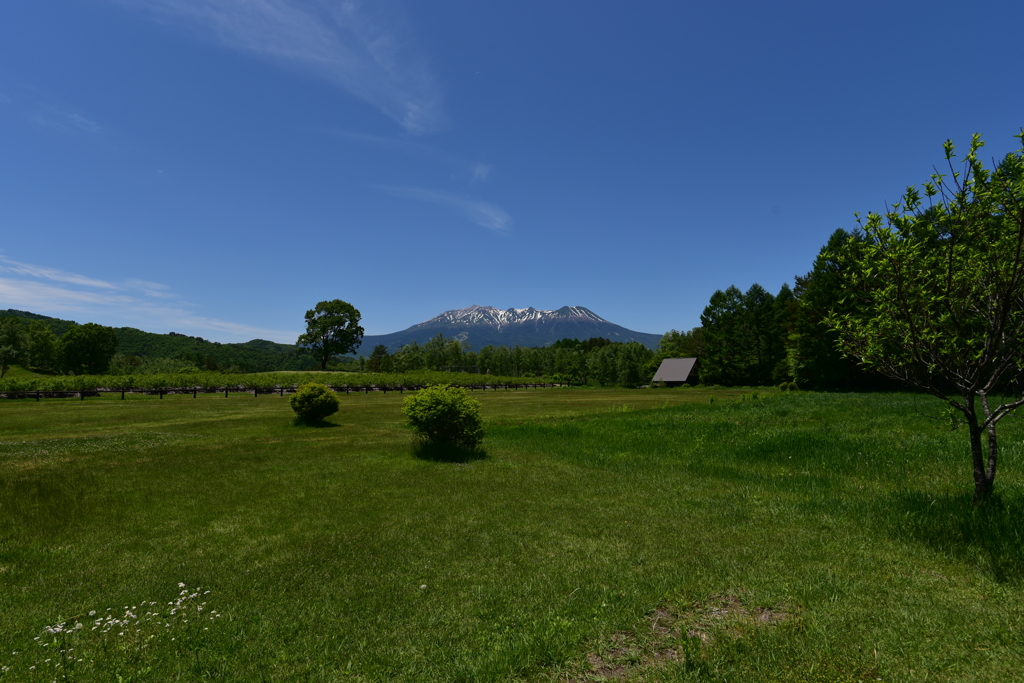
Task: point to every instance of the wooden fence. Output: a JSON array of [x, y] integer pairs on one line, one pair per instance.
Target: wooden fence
[[281, 391]]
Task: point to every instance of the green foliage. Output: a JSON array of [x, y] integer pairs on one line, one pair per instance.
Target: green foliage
[[379, 360], [214, 381], [332, 329], [56, 325], [87, 349], [814, 359], [742, 336], [445, 414], [121, 364], [41, 345], [936, 293], [12, 343], [618, 364], [257, 355], [313, 402], [621, 364]]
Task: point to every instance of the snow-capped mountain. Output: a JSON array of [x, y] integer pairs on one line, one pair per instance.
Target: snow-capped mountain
[[484, 325], [495, 317]]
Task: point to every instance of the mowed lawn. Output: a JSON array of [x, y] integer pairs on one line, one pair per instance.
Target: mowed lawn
[[654, 535]]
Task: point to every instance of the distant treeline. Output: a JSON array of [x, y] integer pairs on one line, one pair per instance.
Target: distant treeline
[[752, 338], [593, 361], [135, 349], [757, 338]]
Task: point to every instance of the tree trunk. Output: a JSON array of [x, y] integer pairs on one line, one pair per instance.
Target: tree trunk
[[993, 446], [993, 454], [982, 483]]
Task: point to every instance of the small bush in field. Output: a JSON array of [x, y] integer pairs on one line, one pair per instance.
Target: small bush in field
[[445, 414], [313, 402]]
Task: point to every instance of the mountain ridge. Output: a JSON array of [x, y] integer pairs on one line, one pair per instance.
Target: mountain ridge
[[486, 325]]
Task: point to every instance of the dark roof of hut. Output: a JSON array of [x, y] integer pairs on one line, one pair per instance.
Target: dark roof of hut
[[674, 370]]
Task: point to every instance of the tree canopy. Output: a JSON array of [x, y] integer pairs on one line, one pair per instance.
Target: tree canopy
[[741, 338], [332, 329], [87, 349], [936, 294]]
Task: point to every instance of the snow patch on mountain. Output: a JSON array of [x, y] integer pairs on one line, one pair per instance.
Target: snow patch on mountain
[[498, 318]]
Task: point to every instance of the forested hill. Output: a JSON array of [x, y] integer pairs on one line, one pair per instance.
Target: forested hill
[[255, 355]]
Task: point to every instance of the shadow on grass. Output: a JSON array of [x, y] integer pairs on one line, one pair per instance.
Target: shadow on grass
[[446, 452], [990, 535], [316, 424], [44, 503]]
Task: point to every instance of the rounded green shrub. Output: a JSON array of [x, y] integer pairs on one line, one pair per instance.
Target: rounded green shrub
[[445, 414], [313, 402]]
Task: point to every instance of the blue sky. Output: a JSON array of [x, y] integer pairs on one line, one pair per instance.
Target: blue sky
[[216, 167]]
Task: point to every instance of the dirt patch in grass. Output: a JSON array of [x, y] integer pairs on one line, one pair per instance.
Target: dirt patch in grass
[[673, 634]]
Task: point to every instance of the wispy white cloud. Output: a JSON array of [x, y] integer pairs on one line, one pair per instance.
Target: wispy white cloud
[[477, 171], [42, 296], [482, 213], [134, 303], [405, 146], [363, 47], [29, 270], [152, 289], [64, 120], [481, 171]]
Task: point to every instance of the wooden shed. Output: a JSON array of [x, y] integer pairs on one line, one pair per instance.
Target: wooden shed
[[674, 372]]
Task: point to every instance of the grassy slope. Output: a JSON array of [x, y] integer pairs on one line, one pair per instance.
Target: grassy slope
[[18, 372], [593, 508]]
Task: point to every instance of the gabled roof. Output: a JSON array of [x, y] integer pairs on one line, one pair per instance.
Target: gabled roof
[[674, 370]]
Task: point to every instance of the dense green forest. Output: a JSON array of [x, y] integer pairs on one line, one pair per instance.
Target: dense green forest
[[595, 361]]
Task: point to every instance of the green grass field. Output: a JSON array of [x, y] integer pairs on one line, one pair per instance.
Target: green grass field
[[658, 535]]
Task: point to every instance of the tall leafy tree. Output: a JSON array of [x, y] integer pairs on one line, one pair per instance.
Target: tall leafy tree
[[332, 329], [938, 295], [816, 360], [409, 357], [741, 336], [787, 308], [602, 365], [87, 349], [41, 344], [675, 344], [759, 336], [723, 345], [630, 363], [12, 343], [379, 360]]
